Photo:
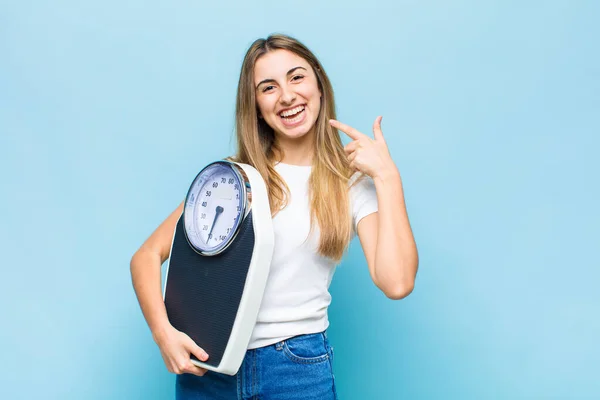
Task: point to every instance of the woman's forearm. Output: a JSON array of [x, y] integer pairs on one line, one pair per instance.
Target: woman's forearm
[[396, 257], [145, 275]]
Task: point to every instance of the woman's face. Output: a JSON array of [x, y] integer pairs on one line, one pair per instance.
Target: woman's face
[[287, 93]]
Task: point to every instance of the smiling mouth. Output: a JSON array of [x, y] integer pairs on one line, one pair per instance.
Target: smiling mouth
[[292, 114]]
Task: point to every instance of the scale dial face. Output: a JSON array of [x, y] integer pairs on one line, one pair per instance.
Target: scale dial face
[[214, 207]]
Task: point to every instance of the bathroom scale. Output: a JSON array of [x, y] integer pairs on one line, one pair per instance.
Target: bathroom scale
[[219, 262]]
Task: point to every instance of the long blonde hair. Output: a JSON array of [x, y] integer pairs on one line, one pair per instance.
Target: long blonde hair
[[256, 146]]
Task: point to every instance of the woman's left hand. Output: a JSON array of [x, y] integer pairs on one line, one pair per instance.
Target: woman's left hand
[[367, 155]]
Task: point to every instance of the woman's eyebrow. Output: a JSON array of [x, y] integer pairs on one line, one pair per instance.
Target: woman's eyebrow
[[270, 80]]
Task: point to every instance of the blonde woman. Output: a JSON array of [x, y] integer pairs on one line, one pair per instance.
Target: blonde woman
[[321, 194]]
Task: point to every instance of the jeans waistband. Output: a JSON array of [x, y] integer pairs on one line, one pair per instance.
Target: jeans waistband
[[279, 344]]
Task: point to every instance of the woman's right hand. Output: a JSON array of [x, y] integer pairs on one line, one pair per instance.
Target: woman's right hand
[[175, 348]]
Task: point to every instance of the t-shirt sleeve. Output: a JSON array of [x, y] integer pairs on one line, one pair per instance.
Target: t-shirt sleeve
[[363, 199]]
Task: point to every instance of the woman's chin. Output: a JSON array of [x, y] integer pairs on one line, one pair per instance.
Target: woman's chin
[[294, 134]]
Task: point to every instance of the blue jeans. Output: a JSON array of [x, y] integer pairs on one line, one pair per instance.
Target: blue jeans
[[296, 368]]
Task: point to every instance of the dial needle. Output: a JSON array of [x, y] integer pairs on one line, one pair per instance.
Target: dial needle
[[218, 212]]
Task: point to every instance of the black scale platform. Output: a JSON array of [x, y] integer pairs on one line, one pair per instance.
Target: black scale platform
[[203, 292]]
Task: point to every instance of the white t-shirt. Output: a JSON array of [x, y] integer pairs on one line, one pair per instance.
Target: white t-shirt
[[297, 296]]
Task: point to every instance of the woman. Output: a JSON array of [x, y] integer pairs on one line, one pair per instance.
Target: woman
[[321, 194]]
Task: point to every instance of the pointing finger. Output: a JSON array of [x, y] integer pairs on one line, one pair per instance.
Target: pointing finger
[[348, 130]]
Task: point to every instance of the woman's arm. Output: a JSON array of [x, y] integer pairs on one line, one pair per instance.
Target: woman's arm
[[387, 240], [385, 236], [145, 266], [145, 273]]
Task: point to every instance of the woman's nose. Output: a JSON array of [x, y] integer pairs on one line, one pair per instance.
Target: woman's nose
[[287, 96]]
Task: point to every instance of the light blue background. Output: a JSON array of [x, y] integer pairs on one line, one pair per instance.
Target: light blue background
[[490, 109]]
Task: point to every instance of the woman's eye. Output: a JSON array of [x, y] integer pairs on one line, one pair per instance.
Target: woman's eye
[[267, 88], [297, 77]]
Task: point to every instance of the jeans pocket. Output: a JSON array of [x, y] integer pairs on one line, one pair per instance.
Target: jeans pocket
[[307, 349]]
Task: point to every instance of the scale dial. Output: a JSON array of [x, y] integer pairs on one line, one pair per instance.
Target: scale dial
[[215, 207]]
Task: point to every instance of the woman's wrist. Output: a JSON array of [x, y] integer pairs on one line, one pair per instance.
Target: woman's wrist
[[160, 331]]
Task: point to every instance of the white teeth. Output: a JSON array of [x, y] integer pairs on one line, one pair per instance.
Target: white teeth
[[293, 111], [294, 119]]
